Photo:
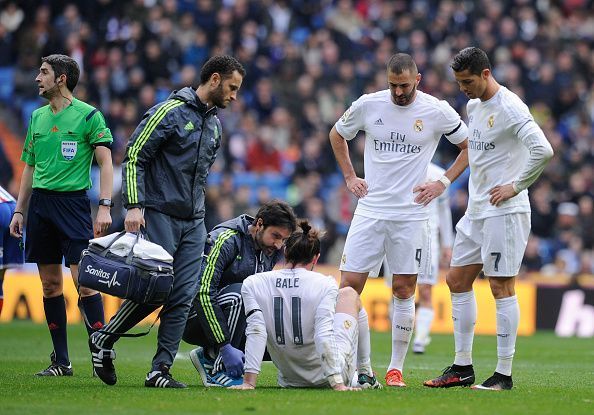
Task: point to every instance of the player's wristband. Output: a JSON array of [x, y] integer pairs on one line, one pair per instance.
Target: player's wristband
[[20, 213], [446, 182], [334, 380]]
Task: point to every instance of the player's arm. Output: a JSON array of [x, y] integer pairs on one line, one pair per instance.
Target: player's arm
[[210, 314], [17, 221], [355, 184], [18, 218], [533, 138], [325, 340], [103, 157], [142, 147], [100, 138], [256, 335], [346, 128]]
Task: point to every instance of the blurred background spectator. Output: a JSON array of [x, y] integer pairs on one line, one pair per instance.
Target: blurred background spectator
[[307, 61]]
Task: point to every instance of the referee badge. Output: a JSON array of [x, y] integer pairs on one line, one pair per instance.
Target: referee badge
[[418, 126], [69, 149], [491, 121]]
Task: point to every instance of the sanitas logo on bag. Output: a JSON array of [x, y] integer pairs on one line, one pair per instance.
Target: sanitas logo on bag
[[104, 276]]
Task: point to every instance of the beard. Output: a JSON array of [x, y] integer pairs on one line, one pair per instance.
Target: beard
[[268, 250], [218, 97], [404, 99]]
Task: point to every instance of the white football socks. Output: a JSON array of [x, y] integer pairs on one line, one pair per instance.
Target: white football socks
[[364, 345], [423, 324], [508, 317], [464, 316], [403, 319]]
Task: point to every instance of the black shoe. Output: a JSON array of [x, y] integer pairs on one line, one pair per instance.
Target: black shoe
[[497, 382], [55, 369], [452, 377], [103, 363], [162, 379]]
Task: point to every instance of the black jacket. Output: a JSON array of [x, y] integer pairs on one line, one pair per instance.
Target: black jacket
[[230, 256], [169, 155]]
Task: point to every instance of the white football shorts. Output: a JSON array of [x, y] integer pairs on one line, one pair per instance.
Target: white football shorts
[[498, 243], [403, 244], [429, 272]]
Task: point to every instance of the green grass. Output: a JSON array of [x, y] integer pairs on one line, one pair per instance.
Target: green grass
[[552, 376]]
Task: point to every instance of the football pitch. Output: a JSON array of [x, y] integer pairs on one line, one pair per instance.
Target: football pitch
[[551, 376]]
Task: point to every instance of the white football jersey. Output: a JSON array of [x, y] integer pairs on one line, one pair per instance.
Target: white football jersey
[[297, 307], [399, 144], [496, 152]]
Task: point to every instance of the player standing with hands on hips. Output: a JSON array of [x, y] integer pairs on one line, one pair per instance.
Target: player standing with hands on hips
[[403, 127], [507, 153], [61, 141]]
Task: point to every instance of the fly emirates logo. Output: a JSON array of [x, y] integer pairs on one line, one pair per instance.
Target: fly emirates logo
[[396, 144], [477, 144]]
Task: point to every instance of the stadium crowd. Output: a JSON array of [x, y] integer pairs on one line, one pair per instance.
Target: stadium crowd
[[306, 62]]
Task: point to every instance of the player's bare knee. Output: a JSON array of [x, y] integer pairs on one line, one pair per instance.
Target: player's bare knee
[[353, 280], [425, 295], [502, 287], [86, 292], [51, 287], [348, 294], [348, 301]]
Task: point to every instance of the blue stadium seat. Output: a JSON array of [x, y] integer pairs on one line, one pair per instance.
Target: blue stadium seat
[[6, 83], [27, 109], [245, 179]]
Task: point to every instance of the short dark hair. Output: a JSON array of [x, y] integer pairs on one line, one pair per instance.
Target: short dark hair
[[276, 213], [302, 246], [224, 65], [401, 62], [64, 65], [471, 58]]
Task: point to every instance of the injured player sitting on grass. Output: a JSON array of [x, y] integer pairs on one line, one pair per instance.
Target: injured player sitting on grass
[[309, 327]]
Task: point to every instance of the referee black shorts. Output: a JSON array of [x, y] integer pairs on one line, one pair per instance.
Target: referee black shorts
[[58, 226]]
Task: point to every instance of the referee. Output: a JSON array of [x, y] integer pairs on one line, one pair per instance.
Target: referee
[[61, 141]]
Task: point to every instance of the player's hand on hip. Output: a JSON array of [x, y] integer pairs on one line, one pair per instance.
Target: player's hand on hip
[[500, 194], [357, 186], [428, 191], [134, 220], [233, 359], [103, 220], [16, 225]]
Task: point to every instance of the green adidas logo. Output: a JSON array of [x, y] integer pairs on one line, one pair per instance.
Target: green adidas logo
[[189, 126]]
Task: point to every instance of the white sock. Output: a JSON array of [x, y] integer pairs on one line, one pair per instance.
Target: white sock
[[403, 321], [364, 345], [423, 324], [508, 317], [464, 316]]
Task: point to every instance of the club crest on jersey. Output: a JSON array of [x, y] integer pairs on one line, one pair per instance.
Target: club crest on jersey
[[347, 324], [69, 149], [491, 121], [346, 114], [418, 126]]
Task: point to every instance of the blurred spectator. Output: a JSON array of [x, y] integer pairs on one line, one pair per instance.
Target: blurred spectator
[[306, 61]]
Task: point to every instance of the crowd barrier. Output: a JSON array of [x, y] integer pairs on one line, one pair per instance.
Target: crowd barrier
[[569, 310]]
